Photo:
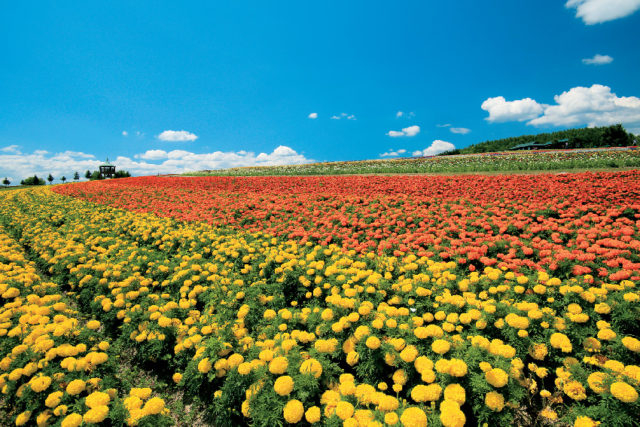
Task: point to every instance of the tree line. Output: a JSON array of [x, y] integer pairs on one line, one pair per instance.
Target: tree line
[[91, 176], [605, 136]]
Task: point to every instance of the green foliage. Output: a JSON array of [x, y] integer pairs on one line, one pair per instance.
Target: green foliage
[[33, 180], [610, 136]]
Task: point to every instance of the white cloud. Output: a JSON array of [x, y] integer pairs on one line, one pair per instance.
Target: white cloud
[[125, 133], [408, 131], [598, 11], [598, 60], [152, 155], [42, 163], [177, 136], [501, 110], [393, 153], [446, 125], [11, 149], [593, 106], [462, 131], [313, 116], [343, 116], [399, 114], [438, 146]]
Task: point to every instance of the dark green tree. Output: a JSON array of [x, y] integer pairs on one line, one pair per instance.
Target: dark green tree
[[63, 179], [76, 176], [616, 136], [32, 180], [87, 174], [96, 175], [50, 178], [6, 181]]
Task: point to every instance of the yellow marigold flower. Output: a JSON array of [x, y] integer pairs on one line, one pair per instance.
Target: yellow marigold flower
[[451, 415], [76, 387], [549, 413], [388, 403], [456, 393], [244, 368], [494, 401], [39, 384], [313, 415], [204, 366], [373, 342], [457, 368], [419, 393], [413, 417], [574, 390], [235, 360], [278, 365], [97, 398], [177, 377], [293, 411], [43, 418], [391, 418], [23, 418], [497, 377], [93, 324], [352, 358], [623, 392], [141, 393], [561, 341], [155, 405], [72, 420], [584, 421], [409, 353], [283, 385], [631, 343], [399, 377], [61, 410], [53, 399], [311, 366], [96, 415], [596, 381], [440, 346], [423, 363], [344, 410], [484, 366], [606, 334]]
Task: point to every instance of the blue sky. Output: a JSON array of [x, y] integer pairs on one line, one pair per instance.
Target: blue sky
[[162, 88]]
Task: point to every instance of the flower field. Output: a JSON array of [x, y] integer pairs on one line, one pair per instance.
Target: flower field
[[509, 161], [407, 301]]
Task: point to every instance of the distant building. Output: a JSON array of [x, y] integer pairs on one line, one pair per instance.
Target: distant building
[[107, 170], [560, 143]]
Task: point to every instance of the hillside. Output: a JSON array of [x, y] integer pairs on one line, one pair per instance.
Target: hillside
[[606, 136]]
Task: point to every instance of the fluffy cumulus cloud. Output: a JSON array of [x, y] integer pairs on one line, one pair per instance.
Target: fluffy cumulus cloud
[[313, 115], [501, 110], [591, 106], [598, 60], [438, 146], [462, 131], [17, 165], [408, 131], [177, 136], [598, 11], [393, 153], [403, 114]]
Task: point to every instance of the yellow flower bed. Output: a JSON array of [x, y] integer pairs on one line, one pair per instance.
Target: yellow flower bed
[[270, 331]]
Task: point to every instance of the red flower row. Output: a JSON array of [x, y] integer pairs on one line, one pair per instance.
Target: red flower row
[[576, 224]]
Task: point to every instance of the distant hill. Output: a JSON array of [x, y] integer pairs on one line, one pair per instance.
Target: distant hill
[[606, 136]]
